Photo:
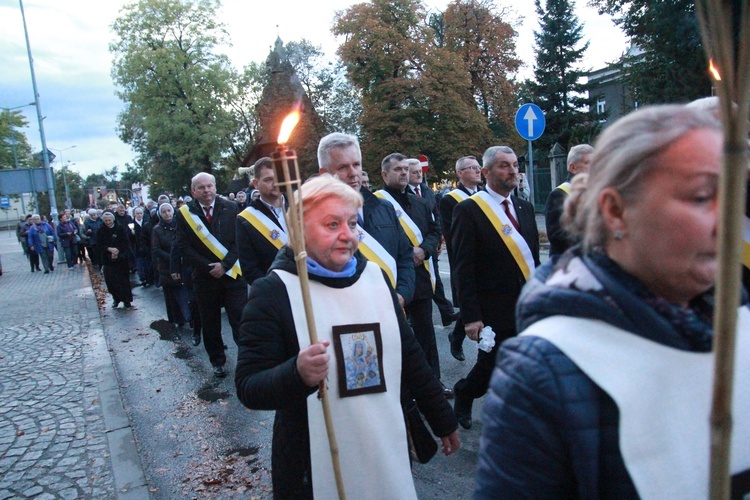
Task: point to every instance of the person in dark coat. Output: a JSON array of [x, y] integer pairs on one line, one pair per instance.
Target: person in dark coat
[[175, 295], [278, 368], [217, 280], [598, 396], [67, 233], [114, 246], [579, 158], [142, 237], [469, 178], [496, 249], [340, 155], [91, 228], [261, 227], [42, 240]]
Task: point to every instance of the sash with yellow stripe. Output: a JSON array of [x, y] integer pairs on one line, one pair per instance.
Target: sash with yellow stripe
[[458, 195], [512, 238], [209, 240], [265, 226], [374, 252], [566, 186], [410, 228], [746, 243]]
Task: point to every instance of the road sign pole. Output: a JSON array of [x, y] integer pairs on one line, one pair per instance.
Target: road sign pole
[[530, 174]]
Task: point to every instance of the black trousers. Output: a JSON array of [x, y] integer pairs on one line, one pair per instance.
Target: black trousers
[[444, 305], [476, 382], [212, 294], [420, 318]]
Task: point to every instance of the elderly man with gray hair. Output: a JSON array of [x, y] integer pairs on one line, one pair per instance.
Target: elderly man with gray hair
[[382, 238], [579, 158]]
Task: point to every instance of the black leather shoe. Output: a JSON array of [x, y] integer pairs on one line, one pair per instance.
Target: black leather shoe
[[196, 339], [451, 318], [220, 372], [462, 408], [115, 304], [127, 305], [457, 350], [447, 391]]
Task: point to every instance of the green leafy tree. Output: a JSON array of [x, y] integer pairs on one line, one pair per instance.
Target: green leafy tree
[[673, 66], [177, 91], [12, 138], [557, 87], [416, 97]]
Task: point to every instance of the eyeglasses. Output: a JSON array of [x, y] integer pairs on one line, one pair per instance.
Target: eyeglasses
[[475, 168]]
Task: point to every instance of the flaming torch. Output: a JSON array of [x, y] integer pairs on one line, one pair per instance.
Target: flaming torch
[[290, 179], [730, 59]]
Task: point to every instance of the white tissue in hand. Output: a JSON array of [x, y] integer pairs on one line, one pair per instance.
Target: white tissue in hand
[[486, 339]]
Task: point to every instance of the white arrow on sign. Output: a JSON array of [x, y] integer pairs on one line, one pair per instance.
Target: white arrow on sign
[[530, 116]]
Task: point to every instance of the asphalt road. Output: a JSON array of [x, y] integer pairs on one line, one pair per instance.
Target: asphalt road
[[193, 435]]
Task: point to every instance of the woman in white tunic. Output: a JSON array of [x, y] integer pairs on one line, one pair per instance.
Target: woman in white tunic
[[607, 390], [357, 316]]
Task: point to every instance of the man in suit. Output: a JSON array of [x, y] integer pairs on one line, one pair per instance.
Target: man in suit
[[469, 178], [339, 155], [419, 188], [261, 227], [579, 158], [205, 238], [424, 236], [495, 245]]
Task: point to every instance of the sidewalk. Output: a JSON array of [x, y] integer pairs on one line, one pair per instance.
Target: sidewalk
[[63, 430]]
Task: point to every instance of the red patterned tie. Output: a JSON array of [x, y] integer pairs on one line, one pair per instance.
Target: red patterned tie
[[208, 214], [513, 220], [417, 190]]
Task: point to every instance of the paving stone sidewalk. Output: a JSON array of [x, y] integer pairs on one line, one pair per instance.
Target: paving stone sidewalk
[[63, 431]]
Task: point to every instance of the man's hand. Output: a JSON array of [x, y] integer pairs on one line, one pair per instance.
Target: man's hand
[[175, 276], [451, 443], [312, 363], [472, 330], [419, 256], [217, 270]]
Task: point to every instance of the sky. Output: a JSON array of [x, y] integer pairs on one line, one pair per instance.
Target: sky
[[70, 47]]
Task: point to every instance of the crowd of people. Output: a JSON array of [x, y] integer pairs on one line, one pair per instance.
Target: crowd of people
[[589, 361]]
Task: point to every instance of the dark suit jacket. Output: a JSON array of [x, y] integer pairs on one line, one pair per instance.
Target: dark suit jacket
[[419, 211], [428, 195], [256, 252], [187, 246], [487, 277], [446, 205], [559, 239], [382, 224]]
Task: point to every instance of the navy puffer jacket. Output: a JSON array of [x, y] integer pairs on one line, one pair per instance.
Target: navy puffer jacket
[[549, 430]]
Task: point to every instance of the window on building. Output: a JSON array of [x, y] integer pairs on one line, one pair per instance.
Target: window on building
[[600, 105]]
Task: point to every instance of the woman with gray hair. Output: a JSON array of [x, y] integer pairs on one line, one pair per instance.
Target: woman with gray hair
[[607, 390], [175, 294], [365, 351]]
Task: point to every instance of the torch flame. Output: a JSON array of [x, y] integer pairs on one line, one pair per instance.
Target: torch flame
[[287, 126], [713, 70]]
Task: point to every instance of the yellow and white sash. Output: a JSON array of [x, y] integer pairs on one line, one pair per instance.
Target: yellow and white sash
[[746, 242], [370, 429], [265, 226], [208, 239], [458, 195], [374, 252], [504, 227], [566, 186], [410, 228], [663, 396]]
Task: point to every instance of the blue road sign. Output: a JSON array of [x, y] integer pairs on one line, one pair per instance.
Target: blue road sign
[[530, 122], [4, 201]]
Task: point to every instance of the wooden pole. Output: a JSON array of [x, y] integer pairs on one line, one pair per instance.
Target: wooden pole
[[716, 19], [296, 231]]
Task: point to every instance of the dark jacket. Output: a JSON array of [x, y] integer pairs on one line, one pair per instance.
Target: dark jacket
[[118, 236], [549, 431], [36, 234], [143, 238], [255, 251], [419, 211], [446, 204], [559, 239], [488, 280], [266, 377], [382, 224], [161, 245], [92, 226], [67, 233], [189, 247]]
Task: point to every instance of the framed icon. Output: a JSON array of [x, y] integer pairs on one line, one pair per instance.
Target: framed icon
[[359, 356]]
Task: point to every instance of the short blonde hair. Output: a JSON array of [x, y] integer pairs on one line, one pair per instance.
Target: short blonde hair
[[322, 187]]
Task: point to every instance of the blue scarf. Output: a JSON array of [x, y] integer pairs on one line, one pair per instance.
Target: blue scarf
[[316, 269]]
